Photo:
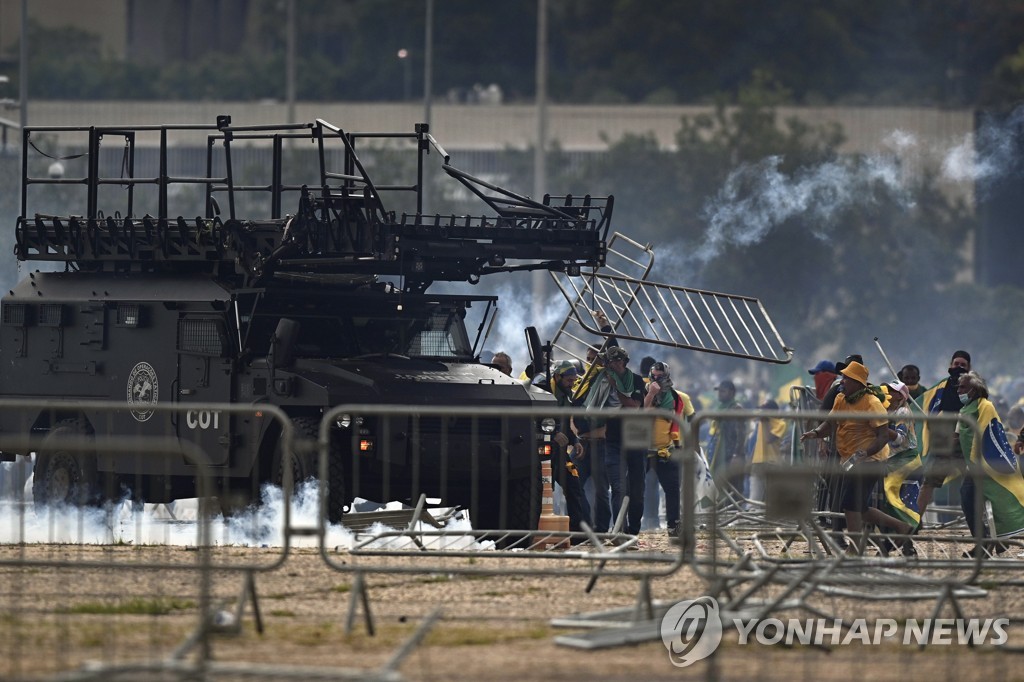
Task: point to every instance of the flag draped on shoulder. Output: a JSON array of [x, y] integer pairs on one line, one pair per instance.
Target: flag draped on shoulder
[[902, 484], [992, 456], [929, 402]]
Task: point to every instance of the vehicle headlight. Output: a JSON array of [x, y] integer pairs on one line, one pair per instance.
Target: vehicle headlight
[[547, 425], [345, 421]]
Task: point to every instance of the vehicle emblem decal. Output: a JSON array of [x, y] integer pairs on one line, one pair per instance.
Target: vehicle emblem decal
[[143, 389]]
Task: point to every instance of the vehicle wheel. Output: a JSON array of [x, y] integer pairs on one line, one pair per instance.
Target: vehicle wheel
[[63, 475], [303, 463], [337, 497], [524, 503], [523, 499], [305, 466]]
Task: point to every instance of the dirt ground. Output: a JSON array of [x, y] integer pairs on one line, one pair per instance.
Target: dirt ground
[[54, 620]]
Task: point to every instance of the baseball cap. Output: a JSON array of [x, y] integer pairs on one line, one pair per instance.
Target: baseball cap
[[823, 366], [899, 387], [855, 357], [726, 384]]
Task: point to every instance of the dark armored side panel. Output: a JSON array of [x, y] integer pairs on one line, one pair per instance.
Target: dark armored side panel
[[138, 339]]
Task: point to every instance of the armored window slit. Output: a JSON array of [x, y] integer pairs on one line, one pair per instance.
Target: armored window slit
[[129, 315], [202, 337], [15, 314], [51, 315]]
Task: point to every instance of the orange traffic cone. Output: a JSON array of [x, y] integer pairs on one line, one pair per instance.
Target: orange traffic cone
[[549, 521]]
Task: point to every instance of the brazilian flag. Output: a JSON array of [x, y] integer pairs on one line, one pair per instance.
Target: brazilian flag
[[902, 484], [929, 402], [992, 455]]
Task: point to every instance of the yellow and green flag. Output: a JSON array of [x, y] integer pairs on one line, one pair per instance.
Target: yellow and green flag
[[768, 435], [929, 402], [992, 455], [902, 484]]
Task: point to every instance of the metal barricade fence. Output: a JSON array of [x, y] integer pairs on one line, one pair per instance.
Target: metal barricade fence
[[118, 607], [478, 548], [62, 606], [156, 594], [788, 554], [247, 517], [802, 479], [104, 583], [110, 587]]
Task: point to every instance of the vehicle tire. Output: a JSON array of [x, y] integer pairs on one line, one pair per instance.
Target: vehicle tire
[[64, 476], [303, 462], [524, 503], [305, 465], [337, 497], [524, 500]]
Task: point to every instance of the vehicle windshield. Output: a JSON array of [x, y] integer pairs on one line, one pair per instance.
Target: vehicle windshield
[[433, 331]]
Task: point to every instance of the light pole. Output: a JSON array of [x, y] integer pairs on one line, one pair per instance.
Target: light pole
[[23, 68], [428, 62], [403, 56], [540, 180], [289, 62]]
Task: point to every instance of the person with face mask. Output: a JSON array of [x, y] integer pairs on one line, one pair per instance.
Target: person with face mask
[[940, 451], [992, 469], [863, 448]]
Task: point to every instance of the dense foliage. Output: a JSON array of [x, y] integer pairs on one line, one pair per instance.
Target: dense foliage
[[946, 52]]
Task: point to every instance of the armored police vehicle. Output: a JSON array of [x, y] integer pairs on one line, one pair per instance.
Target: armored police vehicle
[[292, 283]]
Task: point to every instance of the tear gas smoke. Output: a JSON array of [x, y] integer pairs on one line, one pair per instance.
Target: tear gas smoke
[[175, 524], [757, 198]]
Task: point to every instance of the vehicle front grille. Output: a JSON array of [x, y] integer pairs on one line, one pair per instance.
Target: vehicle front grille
[[487, 428]]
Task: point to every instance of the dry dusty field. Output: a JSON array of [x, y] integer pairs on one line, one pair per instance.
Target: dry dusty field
[[55, 619]]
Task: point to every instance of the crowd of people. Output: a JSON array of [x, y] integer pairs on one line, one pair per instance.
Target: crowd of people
[[595, 472], [889, 461], [899, 457]]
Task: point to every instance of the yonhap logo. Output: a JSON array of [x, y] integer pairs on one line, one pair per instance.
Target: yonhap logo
[[691, 630]]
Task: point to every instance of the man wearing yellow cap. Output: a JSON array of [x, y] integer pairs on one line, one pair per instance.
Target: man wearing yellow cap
[[863, 447]]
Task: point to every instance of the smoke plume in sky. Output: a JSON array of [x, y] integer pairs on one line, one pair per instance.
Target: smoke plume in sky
[[757, 198]]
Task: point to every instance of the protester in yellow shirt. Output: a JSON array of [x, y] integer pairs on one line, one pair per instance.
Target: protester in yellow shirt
[[863, 447]]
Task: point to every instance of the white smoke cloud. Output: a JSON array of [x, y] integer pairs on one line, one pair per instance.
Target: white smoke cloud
[[993, 152], [757, 198], [515, 313], [175, 524]]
